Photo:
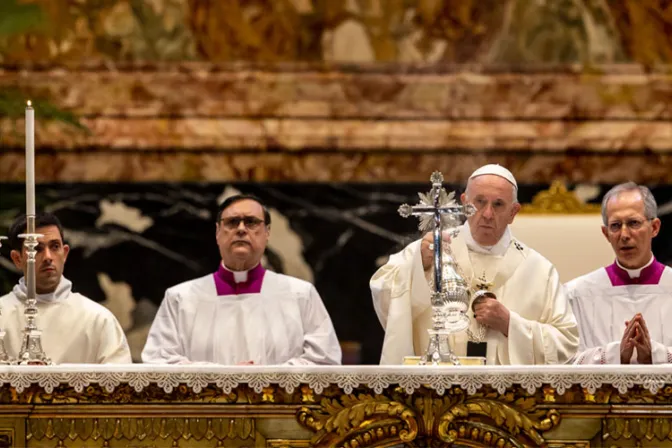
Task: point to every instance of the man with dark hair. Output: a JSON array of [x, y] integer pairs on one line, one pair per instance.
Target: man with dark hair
[[239, 197], [242, 314], [46, 279], [75, 329], [623, 309]]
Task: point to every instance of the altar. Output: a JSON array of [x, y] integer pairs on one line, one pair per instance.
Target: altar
[[349, 406]]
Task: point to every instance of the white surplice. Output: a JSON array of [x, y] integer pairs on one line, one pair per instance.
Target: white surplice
[[604, 299], [542, 328], [75, 329], [285, 323]]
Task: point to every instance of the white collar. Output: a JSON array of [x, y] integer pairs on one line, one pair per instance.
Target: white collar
[[635, 273], [238, 276], [61, 292], [499, 248]]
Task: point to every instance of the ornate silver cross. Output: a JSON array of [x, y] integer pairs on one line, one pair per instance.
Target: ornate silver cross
[[450, 296], [437, 210]]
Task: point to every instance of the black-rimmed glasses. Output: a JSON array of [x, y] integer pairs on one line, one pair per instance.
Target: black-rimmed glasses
[[250, 222]]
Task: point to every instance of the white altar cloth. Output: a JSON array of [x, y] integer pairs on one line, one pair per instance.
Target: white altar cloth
[[377, 378]]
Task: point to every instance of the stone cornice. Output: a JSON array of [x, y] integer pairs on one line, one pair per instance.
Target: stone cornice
[[387, 112]]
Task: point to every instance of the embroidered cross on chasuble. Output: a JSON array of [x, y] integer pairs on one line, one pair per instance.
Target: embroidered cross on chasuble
[[483, 283]]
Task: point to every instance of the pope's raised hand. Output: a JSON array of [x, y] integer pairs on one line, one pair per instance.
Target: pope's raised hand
[[427, 248]]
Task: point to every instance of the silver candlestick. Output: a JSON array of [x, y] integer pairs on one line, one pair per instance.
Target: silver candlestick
[[4, 357], [438, 211], [31, 348]]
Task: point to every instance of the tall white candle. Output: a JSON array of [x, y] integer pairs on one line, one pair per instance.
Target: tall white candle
[[30, 160]]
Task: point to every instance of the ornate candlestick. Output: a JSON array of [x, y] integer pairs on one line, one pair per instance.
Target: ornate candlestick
[[31, 347], [450, 298], [4, 357]]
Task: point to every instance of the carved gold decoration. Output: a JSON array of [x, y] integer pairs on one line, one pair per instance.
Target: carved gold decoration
[[393, 415], [549, 394], [268, 395], [587, 396], [505, 417], [558, 200], [425, 420], [363, 419], [125, 394], [288, 443], [639, 429], [307, 394], [192, 430]]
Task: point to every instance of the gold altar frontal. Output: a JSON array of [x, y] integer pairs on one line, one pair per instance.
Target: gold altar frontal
[[358, 406]]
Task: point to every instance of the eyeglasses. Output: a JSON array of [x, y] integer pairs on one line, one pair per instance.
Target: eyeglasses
[[233, 223], [632, 224]]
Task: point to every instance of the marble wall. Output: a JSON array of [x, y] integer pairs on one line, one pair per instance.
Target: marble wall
[[226, 123], [131, 241]]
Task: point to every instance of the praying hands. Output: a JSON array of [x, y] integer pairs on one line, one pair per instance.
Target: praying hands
[[636, 338]]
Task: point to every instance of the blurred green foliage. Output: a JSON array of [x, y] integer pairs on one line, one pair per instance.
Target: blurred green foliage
[[19, 18]]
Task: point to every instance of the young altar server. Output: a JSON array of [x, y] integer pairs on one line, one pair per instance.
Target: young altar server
[[242, 313], [529, 322], [622, 310], [75, 329]]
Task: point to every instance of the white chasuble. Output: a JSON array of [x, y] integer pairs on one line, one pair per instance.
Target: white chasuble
[[542, 328], [75, 329], [268, 319], [604, 299]]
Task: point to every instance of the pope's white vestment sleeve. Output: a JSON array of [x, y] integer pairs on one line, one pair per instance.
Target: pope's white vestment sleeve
[[551, 340], [163, 341], [113, 346], [320, 344], [400, 292]]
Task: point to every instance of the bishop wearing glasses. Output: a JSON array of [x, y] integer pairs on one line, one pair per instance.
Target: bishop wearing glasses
[[622, 310], [242, 313]]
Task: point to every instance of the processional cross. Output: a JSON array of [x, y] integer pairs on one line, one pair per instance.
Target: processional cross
[[450, 296], [437, 210]]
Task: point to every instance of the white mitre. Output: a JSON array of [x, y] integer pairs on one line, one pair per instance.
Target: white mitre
[[496, 170]]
